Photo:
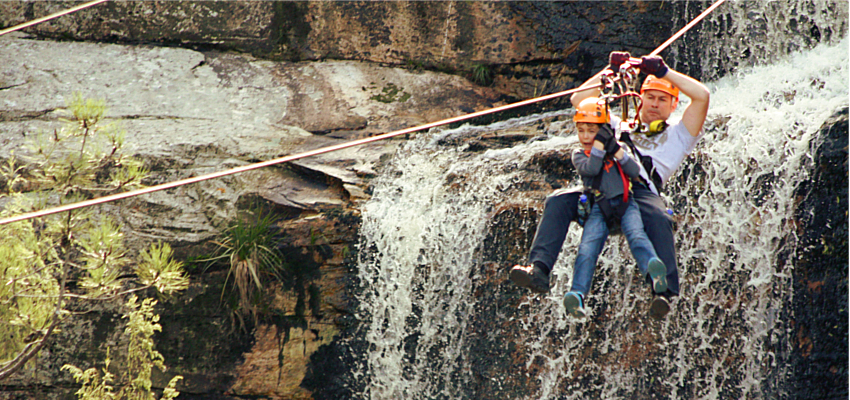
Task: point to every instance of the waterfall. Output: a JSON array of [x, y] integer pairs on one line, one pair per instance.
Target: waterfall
[[420, 258], [742, 34], [421, 229]]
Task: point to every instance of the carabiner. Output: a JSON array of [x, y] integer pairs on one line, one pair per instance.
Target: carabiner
[[607, 80], [630, 76]]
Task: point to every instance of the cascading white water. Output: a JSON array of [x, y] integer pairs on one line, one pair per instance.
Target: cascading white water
[[726, 336], [420, 231], [741, 34], [738, 209]]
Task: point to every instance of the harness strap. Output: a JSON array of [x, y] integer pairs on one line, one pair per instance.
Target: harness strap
[[612, 214], [626, 183], [597, 181], [646, 161]]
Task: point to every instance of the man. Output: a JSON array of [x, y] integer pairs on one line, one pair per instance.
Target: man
[[663, 152]]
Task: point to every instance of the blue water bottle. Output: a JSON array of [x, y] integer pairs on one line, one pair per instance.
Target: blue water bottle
[[583, 209]]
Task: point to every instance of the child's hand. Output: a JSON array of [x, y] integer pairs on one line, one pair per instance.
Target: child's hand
[[604, 135], [599, 145], [612, 147]]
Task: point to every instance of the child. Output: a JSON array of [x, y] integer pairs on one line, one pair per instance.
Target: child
[[607, 171]]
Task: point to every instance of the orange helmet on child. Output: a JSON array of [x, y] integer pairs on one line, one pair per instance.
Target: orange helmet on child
[[661, 84], [592, 111]]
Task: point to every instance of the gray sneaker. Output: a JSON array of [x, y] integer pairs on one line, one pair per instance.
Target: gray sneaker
[[658, 273], [531, 277], [574, 304]]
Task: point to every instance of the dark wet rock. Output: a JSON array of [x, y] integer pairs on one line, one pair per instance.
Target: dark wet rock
[[820, 308]]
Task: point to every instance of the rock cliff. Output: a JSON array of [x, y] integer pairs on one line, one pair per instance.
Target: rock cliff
[[520, 48], [188, 113]]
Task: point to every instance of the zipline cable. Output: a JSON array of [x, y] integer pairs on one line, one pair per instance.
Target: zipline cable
[[678, 34], [245, 168], [687, 27], [51, 16]]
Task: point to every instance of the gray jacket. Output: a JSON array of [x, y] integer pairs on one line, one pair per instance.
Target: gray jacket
[[612, 183]]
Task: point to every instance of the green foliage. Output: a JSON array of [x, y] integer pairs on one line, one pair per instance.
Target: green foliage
[[83, 158], [391, 93], [141, 358], [40, 258], [481, 75], [249, 247], [94, 387], [156, 268]]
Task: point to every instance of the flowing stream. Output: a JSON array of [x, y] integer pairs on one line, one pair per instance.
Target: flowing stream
[[727, 336]]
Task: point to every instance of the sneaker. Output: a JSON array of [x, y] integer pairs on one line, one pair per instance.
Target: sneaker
[[658, 273], [574, 303], [531, 277], [659, 307]]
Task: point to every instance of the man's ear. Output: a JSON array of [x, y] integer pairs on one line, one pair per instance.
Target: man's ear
[[675, 104]]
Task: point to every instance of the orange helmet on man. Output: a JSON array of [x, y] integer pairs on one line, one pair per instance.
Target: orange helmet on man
[[591, 110], [660, 84]]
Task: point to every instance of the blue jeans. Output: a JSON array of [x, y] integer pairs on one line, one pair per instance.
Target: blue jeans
[[593, 239], [659, 227], [560, 208]]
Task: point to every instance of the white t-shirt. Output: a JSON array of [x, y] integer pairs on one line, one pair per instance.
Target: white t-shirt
[[668, 149]]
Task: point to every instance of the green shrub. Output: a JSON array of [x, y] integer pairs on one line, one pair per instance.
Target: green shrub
[[40, 258], [141, 358]]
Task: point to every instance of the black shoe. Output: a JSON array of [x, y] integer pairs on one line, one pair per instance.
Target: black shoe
[[659, 307], [531, 277]]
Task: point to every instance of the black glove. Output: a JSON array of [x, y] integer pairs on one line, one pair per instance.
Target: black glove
[[653, 65], [605, 135], [618, 58], [612, 147]]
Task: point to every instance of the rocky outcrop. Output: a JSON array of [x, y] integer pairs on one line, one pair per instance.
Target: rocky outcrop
[[188, 113], [521, 48]]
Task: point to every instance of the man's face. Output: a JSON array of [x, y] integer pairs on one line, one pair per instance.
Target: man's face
[[657, 105], [586, 132]]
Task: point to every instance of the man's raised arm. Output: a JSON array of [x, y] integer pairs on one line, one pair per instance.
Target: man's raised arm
[[694, 116]]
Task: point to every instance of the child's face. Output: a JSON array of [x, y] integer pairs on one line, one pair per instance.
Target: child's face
[[586, 133]]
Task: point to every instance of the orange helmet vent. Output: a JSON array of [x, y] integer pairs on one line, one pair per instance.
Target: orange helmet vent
[[590, 110]]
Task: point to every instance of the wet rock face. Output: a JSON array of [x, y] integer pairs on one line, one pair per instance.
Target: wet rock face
[[521, 48], [820, 279]]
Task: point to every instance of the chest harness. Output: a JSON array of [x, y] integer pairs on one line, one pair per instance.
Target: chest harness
[[623, 81], [613, 208], [622, 85]]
